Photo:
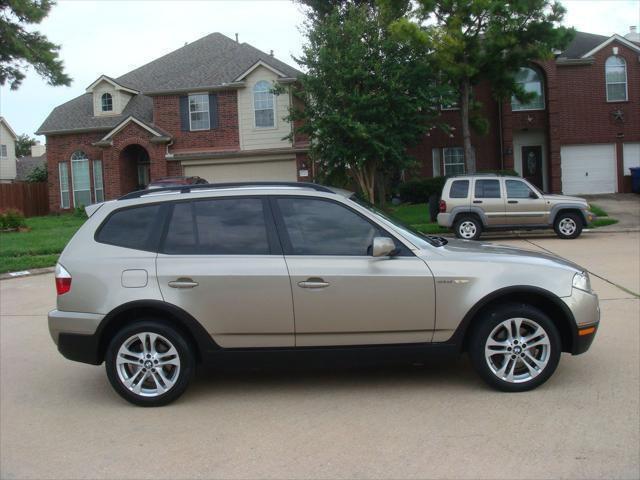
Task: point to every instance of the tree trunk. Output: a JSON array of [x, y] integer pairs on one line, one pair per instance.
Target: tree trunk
[[365, 176], [469, 155]]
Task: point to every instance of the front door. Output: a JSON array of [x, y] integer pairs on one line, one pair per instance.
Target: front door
[[524, 205], [532, 165], [342, 295], [221, 262]]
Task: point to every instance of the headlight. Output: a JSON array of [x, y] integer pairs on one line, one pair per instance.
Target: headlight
[[581, 281]]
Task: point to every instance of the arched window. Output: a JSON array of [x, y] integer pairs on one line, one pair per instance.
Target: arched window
[[263, 105], [107, 102], [531, 81], [80, 179], [615, 69]]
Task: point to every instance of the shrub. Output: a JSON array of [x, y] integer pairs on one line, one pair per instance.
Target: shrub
[[38, 174], [11, 218], [507, 172], [420, 189], [80, 212]]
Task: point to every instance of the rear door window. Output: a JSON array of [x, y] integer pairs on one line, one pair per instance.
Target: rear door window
[[137, 228], [487, 189], [233, 226], [459, 189]]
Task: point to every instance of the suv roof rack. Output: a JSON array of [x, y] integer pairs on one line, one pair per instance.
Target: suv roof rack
[[478, 175], [209, 186]]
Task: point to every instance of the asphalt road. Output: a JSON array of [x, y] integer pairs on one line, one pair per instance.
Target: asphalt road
[[60, 419]]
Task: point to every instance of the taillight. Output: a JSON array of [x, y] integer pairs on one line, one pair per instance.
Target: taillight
[[63, 280], [442, 206]]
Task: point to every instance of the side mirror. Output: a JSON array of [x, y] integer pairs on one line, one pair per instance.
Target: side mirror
[[383, 247]]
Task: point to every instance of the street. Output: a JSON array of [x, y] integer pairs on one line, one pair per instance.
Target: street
[[61, 419]]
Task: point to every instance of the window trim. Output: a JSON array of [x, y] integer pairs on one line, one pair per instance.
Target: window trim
[[544, 98], [444, 160], [4, 147], [626, 80], [275, 247], [273, 107], [104, 97], [501, 187], [63, 166], [95, 181], [283, 234], [73, 186], [208, 111], [157, 229]]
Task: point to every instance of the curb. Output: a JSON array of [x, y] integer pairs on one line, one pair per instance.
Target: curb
[[27, 273]]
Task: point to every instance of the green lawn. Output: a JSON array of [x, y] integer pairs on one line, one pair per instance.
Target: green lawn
[[39, 247], [598, 212]]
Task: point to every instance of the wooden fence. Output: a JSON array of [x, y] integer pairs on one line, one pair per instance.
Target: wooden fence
[[32, 199]]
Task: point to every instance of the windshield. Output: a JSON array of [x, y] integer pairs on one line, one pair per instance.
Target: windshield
[[420, 240]]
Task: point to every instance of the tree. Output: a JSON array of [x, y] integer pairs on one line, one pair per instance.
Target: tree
[[367, 95], [23, 145], [21, 47], [476, 40], [38, 174]]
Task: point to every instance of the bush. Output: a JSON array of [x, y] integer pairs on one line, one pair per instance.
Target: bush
[[12, 219], [420, 189], [507, 172], [80, 212], [38, 174]]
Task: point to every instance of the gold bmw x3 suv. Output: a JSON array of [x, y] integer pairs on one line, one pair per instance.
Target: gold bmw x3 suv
[[159, 281]]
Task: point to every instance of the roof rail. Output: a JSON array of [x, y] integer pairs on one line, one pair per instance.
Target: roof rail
[[478, 175], [209, 186]]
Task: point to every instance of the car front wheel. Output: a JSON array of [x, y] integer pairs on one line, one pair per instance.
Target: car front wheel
[[515, 348], [149, 363], [568, 225]]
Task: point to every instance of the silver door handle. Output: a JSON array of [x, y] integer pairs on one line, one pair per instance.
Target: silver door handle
[[313, 283], [183, 283]]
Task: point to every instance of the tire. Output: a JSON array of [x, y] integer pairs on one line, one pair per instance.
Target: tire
[[568, 225], [468, 227], [150, 386], [519, 368]]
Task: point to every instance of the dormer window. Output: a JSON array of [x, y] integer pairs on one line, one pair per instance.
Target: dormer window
[[107, 102]]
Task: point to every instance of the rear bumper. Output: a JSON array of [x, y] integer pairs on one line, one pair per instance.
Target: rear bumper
[[444, 220], [75, 335]]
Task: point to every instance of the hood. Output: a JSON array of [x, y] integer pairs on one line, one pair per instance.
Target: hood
[[564, 198], [488, 252]]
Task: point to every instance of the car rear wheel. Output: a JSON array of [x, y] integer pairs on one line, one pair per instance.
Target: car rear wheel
[[468, 227], [568, 225], [149, 363], [515, 348]]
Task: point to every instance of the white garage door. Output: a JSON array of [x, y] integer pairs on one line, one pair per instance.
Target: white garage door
[[277, 170], [631, 156], [589, 169]]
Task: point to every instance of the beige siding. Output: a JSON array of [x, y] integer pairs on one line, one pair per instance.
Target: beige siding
[[8, 163], [120, 99], [243, 170], [252, 138]]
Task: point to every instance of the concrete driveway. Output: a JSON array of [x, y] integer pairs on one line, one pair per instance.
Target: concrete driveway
[[60, 419]]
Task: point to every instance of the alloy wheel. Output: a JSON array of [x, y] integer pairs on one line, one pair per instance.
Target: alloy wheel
[[567, 226], [467, 229], [517, 350], [148, 364]]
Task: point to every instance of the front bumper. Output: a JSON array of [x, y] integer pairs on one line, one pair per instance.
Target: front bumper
[[75, 334], [586, 312]]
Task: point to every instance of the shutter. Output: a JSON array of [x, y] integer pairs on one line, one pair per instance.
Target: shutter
[[184, 113], [213, 110]]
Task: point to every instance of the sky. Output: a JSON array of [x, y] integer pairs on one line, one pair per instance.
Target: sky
[[112, 37]]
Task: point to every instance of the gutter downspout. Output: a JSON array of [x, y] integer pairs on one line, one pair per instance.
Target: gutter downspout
[[500, 135]]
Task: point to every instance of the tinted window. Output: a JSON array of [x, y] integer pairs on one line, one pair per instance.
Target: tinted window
[[459, 189], [516, 189], [218, 227], [132, 228], [318, 227], [487, 188]]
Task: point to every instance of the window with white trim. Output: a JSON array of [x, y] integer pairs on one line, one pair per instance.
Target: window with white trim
[[63, 175], [531, 82], [98, 184], [80, 179], [199, 112], [263, 105], [453, 161], [3, 151], [107, 102], [616, 77]]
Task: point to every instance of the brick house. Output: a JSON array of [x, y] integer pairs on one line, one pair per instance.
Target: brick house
[[579, 135], [206, 109]]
